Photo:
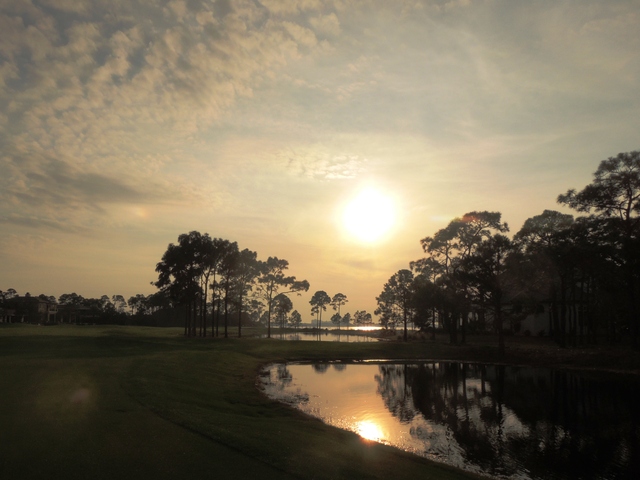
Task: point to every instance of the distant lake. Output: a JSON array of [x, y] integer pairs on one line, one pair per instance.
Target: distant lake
[[504, 421], [323, 336]]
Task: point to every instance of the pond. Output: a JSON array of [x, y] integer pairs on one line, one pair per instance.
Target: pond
[[323, 336], [502, 421]]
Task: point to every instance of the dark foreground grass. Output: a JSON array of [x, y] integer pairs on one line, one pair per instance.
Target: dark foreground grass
[[127, 402]]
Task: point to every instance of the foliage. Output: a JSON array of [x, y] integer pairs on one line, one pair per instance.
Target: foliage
[[282, 306], [295, 319], [585, 271], [361, 317], [319, 302], [271, 279], [394, 303]]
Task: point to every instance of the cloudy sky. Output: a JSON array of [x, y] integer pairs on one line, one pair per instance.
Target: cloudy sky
[[124, 123]]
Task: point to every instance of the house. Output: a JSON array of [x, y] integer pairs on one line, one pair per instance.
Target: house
[[28, 309], [537, 323]]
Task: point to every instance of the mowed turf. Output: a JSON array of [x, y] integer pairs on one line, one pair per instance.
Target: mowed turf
[[133, 402]]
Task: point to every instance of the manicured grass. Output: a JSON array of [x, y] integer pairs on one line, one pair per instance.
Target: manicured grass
[[133, 402]]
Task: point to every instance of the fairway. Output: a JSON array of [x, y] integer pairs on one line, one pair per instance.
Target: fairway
[[130, 402]]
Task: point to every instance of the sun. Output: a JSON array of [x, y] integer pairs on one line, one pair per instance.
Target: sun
[[369, 216]]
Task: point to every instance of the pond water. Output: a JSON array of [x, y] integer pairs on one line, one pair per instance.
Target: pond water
[[502, 421], [323, 336]]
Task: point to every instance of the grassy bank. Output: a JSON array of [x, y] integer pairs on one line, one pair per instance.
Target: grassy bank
[[106, 402]]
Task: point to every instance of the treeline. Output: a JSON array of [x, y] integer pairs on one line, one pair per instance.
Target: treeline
[[73, 308], [321, 299], [584, 271], [212, 279]]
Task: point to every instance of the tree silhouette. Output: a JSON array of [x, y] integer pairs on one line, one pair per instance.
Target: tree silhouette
[[614, 195], [227, 270], [361, 317], [395, 300], [295, 319], [338, 300], [246, 270], [179, 272], [282, 305], [272, 279], [483, 271], [346, 319], [319, 303], [448, 247]]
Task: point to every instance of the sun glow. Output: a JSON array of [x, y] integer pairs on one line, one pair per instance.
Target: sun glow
[[369, 431], [369, 216]]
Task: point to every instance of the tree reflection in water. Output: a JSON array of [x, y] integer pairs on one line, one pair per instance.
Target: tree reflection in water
[[320, 367], [283, 375], [510, 421]]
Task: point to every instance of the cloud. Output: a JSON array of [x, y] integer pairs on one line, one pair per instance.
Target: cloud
[[101, 100], [319, 163], [47, 192], [124, 95], [35, 222], [326, 25]]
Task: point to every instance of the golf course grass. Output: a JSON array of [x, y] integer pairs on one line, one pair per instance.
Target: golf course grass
[[133, 402]]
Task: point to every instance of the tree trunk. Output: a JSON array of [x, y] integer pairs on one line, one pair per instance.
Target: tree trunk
[[186, 320], [240, 315], [226, 312], [453, 328], [269, 317], [463, 328], [563, 313]]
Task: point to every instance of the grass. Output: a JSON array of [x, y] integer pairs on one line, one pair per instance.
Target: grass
[[135, 402]]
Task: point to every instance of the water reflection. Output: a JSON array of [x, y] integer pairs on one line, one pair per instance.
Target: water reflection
[[324, 336], [498, 420], [370, 431]]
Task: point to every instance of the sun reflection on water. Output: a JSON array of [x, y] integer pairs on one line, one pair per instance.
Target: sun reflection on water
[[369, 431]]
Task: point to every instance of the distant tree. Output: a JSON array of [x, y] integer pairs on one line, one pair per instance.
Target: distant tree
[[119, 303], [255, 309], [9, 294], [346, 319], [361, 317], [71, 299], [138, 303], [282, 305], [271, 279], [394, 303], [319, 303], [336, 319], [105, 303], [156, 301], [338, 300], [295, 319]]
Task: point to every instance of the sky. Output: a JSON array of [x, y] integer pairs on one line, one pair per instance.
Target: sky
[[125, 123]]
